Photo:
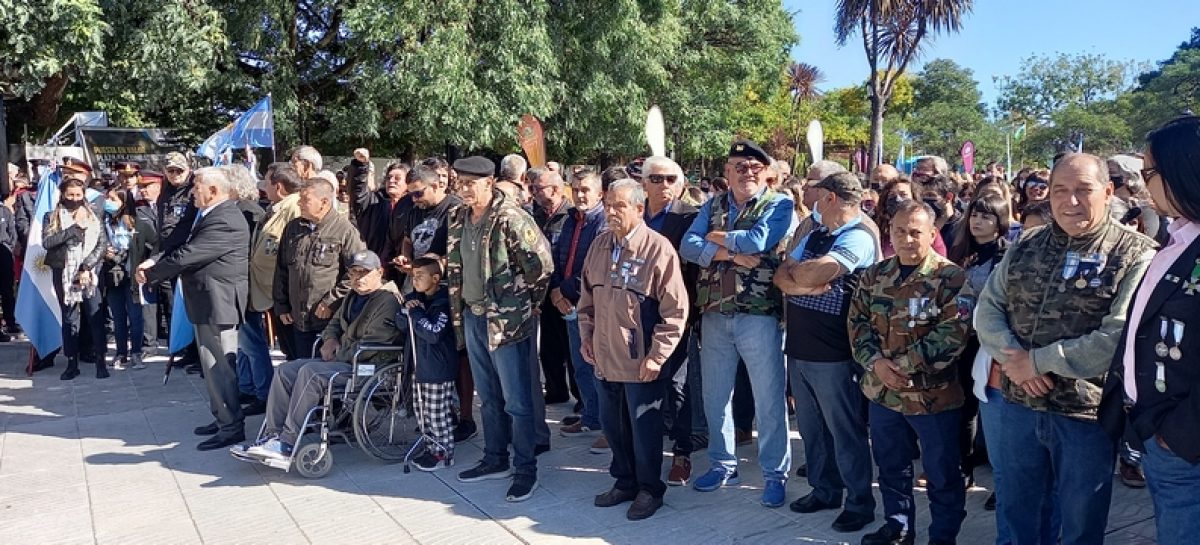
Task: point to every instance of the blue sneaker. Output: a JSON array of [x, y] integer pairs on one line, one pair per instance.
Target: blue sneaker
[[774, 493], [273, 448], [716, 477]]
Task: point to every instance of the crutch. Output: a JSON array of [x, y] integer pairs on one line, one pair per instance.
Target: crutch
[[418, 403]]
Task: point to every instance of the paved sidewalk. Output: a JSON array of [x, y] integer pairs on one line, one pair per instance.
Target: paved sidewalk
[[114, 461]]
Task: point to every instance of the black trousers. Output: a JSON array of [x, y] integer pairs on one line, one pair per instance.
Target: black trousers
[[8, 300], [631, 415], [679, 406], [285, 334], [554, 351], [72, 322]]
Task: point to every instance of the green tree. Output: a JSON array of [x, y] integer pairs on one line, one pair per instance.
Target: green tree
[[947, 111], [893, 32], [1172, 88]]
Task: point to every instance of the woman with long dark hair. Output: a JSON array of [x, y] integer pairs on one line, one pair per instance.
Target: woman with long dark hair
[[979, 245], [75, 242], [1155, 377], [120, 291]]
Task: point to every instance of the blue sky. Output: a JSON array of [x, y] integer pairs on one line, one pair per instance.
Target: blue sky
[[998, 34]]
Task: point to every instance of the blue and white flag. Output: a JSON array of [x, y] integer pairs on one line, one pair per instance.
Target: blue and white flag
[[37, 305], [255, 128]]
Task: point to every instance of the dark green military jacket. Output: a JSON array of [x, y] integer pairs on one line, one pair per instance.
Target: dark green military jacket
[[311, 267], [1064, 299], [914, 322], [726, 287], [516, 265]]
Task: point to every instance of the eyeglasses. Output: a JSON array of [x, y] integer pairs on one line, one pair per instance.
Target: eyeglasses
[[662, 178], [749, 168], [1149, 172], [1035, 185]]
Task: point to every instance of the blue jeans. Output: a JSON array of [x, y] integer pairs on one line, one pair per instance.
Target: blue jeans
[[633, 424], [506, 398], [1042, 458], [829, 416], [1175, 488], [758, 341], [940, 458], [127, 319], [585, 378], [254, 367]]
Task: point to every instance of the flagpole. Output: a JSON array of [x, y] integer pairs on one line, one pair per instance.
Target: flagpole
[[271, 105], [1007, 154]]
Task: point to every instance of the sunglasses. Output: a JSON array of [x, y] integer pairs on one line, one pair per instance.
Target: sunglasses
[[1036, 185], [174, 171], [416, 194], [1149, 172], [749, 168], [661, 178]]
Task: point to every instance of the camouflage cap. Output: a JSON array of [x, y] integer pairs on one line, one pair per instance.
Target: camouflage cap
[[177, 160]]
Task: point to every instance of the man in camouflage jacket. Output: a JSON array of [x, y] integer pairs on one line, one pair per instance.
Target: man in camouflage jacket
[[906, 331], [1050, 315], [737, 240], [498, 267]]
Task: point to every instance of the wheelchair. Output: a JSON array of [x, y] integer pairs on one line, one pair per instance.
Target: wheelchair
[[373, 409]]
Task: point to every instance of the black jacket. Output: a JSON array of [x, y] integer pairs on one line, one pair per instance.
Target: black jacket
[[436, 347], [57, 242], [1174, 414], [213, 265], [679, 219], [372, 211], [23, 210], [8, 229], [175, 209]]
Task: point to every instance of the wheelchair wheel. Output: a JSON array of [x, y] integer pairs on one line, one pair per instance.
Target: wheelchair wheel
[[384, 420], [309, 462]]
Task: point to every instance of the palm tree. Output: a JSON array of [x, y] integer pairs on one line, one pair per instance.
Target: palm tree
[[802, 86], [893, 32]]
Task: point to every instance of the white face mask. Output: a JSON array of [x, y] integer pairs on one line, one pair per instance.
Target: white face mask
[[816, 213]]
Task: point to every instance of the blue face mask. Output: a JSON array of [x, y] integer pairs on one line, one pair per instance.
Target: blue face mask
[[816, 215], [112, 208]]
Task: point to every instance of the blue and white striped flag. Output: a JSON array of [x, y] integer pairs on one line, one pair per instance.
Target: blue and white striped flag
[[255, 128], [37, 305]]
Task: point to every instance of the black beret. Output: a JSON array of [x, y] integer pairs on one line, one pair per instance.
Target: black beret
[[749, 150], [475, 166]]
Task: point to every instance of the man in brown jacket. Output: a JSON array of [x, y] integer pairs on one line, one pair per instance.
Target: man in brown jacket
[[632, 312]]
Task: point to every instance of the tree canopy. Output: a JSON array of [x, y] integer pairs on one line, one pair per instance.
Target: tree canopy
[[407, 75]]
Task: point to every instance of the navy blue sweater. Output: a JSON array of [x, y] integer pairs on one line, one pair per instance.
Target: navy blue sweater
[[594, 223], [436, 347]]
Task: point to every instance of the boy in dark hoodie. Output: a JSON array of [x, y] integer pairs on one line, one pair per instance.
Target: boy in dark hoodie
[[436, 368]]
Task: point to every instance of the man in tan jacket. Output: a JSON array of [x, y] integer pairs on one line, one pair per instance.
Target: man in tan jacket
[[254, 376], [632, 311]]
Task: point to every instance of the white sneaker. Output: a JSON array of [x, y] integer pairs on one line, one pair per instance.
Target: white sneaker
[[137, 362], [273, 448], [118, 362]]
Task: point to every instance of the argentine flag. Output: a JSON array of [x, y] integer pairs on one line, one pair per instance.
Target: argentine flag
[[37, 305], [255, 128]]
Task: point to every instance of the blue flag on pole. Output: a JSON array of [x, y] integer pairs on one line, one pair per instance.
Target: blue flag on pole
[[37, 305], [255, 128], [182, 332]]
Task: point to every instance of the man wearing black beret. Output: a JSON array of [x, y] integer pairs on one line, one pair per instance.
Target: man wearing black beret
[[498, 269]]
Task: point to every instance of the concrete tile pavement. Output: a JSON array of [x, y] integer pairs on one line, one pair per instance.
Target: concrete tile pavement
[[114, 461]]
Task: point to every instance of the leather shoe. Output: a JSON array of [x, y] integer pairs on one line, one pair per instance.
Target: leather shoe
[[644, 506], [217, 441], [246, 398], [848, 522], [254, 408], [193, 369], [539, 450], [616, 496], [207, 429], [812, 504]]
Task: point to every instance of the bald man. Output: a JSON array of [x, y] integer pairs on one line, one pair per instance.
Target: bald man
[[882, 174]]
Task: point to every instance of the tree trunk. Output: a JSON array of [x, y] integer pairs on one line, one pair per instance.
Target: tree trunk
[[876, 131], [44, 105]]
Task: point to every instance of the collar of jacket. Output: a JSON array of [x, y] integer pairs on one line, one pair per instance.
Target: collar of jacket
[[1061, 238], [592, 213], [330, 216], [499, 202], [923, 270]]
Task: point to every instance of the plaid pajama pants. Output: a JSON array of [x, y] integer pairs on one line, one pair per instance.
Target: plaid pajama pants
[[439, 403]]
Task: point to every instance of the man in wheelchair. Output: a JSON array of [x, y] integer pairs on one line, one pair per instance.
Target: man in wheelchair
[[366, 315]]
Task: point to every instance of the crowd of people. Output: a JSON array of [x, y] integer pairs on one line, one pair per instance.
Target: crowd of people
[[1034, 323]]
